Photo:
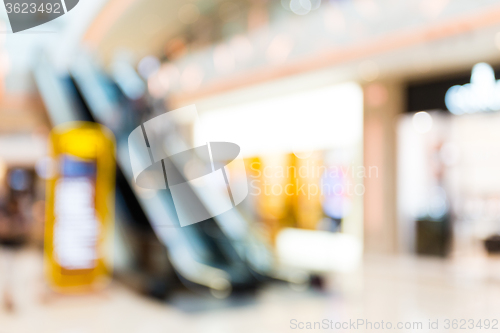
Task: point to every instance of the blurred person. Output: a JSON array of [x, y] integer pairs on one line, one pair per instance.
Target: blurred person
[[14, 230]]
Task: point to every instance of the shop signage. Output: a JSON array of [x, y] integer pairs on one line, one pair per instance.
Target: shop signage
[[482, 94]]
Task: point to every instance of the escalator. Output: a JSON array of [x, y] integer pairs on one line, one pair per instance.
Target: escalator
[[221, 253]]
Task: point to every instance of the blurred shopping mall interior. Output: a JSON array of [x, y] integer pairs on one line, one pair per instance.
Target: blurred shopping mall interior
[[249, 165]]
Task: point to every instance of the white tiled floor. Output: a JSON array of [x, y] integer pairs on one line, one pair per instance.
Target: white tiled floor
[[393, 289]]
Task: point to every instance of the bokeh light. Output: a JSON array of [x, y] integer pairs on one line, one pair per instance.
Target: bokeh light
[[422, 122]]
